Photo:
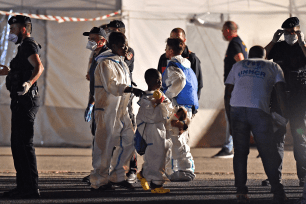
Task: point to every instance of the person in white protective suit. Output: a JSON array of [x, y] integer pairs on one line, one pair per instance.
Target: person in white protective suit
[[151, 121], [114, 127], [180, 86]]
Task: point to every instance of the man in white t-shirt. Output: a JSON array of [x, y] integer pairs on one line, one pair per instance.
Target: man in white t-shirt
[[247, 97]]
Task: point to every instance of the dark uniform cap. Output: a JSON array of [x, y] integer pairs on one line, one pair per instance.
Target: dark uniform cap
[[291, 22], [95, 30], [116, 24], [19, 19]]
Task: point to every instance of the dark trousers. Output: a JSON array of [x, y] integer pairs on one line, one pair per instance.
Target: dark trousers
[[24, 109], [297, 119], [243, 121]]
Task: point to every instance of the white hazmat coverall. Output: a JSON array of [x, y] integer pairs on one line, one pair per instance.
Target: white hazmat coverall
[[114, 127], [151, 125], [182, 166]]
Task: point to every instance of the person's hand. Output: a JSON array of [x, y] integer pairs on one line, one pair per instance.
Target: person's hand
[[277, 35], [138, 92], [88, 111], [301, 37], [181, 131], [4, 70], [26, 86]]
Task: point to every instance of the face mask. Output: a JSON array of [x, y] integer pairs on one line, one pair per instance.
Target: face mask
[[92, 45], [13, 38], [290, 39]]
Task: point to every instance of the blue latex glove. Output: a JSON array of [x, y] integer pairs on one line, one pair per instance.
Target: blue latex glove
[[88, 111]]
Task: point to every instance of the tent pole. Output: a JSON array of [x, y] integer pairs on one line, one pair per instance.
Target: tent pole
[[46, 61], [290, 8]]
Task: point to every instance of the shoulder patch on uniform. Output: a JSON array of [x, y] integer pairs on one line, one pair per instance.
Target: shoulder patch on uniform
[[129, 56]]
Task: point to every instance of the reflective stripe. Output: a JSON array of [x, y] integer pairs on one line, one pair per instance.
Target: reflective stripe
[[105, 56], [119, 158], [140, 124]]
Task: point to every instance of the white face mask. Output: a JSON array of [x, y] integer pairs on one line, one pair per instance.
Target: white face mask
[[92, 45], [291, 39], [13, 38]]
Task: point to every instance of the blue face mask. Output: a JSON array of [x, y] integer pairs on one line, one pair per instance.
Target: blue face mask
[[13, 38]]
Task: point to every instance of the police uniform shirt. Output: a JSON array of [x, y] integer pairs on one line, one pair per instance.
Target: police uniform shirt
[[290, 58], [27, 48], [235, 46]]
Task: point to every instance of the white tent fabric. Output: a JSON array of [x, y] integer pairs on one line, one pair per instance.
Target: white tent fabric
[[63, 87], [149, 23]]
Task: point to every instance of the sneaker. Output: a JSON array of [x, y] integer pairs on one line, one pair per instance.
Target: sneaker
[[131, 177], [279, 198], [106, 187], [143, 182], [301, 201], [242, 198], [86, 179], [224, 154], [24, 194], [125, 184], [265, 182], [160, 190], [11, 192]]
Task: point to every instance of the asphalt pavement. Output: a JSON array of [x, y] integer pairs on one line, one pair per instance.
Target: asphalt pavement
[[61, 171]]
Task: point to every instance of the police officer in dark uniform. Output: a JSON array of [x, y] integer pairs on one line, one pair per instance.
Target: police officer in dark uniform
[[194, 60], [97, 44], [290, 54], [118, 26], [21, 81]]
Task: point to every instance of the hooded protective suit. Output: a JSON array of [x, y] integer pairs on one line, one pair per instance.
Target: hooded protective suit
[[182, 166], [151, 125], [114, 127]]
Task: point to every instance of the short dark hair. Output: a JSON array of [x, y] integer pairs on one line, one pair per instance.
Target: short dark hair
[[257, 51], [231, 25], [176, 44], [151, 74], [179, 30], [115, 38], [117, 24]]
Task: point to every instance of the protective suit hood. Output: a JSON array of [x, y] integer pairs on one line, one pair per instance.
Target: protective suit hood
[[185, 62], [109, 55]]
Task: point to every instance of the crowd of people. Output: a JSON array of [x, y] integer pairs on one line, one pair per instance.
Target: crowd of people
[[261, 97]]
